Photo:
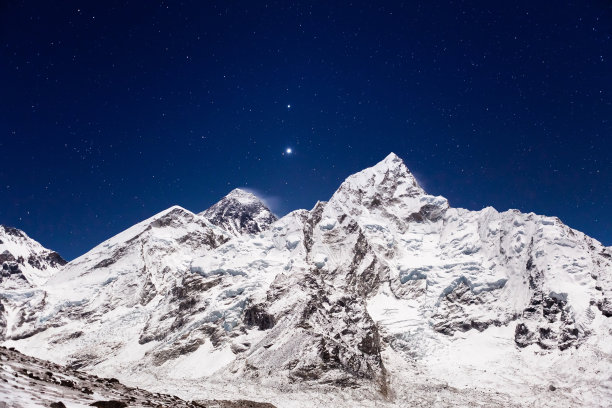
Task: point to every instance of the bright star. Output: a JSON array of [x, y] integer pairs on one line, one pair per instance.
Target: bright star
[[288, 151], [288, 106]]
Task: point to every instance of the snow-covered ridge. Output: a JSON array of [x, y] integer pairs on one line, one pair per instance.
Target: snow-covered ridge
[[382, 295], [24, 259]]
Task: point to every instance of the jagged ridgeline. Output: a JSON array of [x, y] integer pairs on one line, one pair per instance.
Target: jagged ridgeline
[[383, 294]]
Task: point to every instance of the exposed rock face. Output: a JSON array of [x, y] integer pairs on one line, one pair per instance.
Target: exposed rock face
[[381, 286], [605, 306], [256, 316], [240, 212], [456, 310]]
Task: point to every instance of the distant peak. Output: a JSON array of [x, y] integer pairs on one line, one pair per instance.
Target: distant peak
[[13, 231], [238, 192], [163, 218], [240, 212], [24, 257], [243, 197], [172, 209]]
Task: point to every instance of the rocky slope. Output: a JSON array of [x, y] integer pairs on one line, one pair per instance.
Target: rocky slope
[[384, 294], [30, 382]]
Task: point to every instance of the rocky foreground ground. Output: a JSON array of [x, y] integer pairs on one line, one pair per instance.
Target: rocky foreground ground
[[29, 382]]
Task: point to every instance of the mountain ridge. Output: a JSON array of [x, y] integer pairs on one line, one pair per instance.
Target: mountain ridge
[[22, 258], [370, 290]]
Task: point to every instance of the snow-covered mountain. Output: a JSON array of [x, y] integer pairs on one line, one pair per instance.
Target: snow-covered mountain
[[240, 212], [23, 261], [384, 294], [25, 266]]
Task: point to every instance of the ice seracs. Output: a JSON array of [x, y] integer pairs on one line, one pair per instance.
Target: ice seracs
[[382, 295]]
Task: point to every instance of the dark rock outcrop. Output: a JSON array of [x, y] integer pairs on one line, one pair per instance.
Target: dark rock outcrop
[[257, 316]]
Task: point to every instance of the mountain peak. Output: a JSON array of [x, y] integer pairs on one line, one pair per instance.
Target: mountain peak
[[23, 258], [324, 297], [242, 196], [392, 158], [387, 186], [390, 175], [393, 163], [172, 209], [240, 212]]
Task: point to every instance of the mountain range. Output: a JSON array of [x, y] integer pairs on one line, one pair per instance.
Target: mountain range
[[383, 295]]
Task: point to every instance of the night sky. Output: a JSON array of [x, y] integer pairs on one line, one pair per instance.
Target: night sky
[[113, 111]]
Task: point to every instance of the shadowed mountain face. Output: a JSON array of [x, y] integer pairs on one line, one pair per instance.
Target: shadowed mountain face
[[240, 212], [382, 294]]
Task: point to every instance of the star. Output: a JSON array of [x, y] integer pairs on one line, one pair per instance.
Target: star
[[289, 106], [288, 150]]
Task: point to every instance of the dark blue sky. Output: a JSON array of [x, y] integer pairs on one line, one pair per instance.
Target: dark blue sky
[[111, 112]]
